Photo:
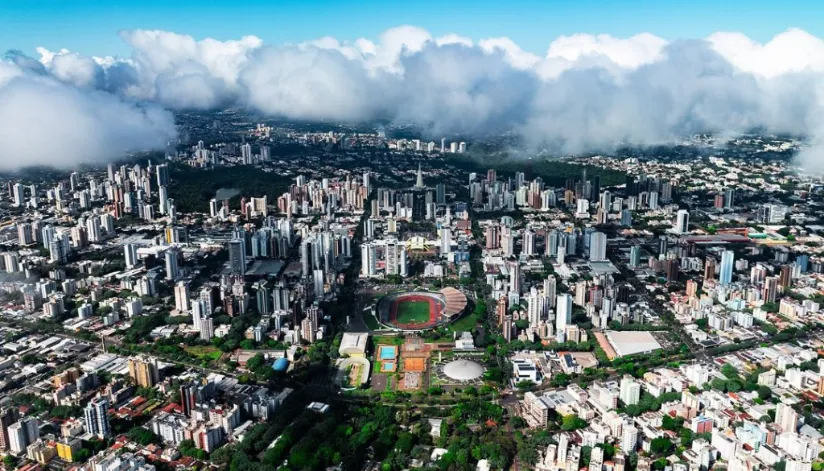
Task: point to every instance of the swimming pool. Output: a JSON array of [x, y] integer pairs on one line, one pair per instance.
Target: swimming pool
[[387, 366], [386, 352]]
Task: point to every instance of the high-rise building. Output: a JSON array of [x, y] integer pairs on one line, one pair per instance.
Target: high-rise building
[[182, 296], [563, 316], [144, 371], [629, 439], [24, 234], [770, 291], [727, 260], [96, 417], [596, 459], [492, 237], [729, 198], [22, 434], [93, 229], [597, 247], [391, 257], [207, 329], [515, 277], [8, 416], [162, 175], [368, 259], [172, 267], [786, 418], [682, 221], [529, 244], [635, 256], [130, 253], [19, 195], [630, 391], [446, 241], [237, 256], [785, 277], [709, 268], [246, 154]]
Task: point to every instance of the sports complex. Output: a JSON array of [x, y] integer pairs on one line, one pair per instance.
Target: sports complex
[[420, 310]]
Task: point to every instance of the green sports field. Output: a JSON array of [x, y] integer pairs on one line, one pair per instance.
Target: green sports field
[[413, 312]]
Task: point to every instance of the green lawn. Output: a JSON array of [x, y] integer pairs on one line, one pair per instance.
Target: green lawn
[[370, 321], [465, 323], [204, 351], [413, 312]]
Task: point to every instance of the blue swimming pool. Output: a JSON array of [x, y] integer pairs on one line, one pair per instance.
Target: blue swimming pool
[[386, 353]]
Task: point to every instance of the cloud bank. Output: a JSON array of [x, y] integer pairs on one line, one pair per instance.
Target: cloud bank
[[585, 93], [46, 120]]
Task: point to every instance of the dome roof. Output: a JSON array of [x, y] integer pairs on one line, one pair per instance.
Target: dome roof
[[280, 364], [463, 370]]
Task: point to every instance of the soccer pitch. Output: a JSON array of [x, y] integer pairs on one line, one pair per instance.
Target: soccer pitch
[[413, 312]]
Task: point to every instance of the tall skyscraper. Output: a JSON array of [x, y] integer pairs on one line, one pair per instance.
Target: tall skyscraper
[[727, 260], [368, 259], [182, 296], [8, 416], [22, 434], [597, 247], [630, 391], [246, 153], [144, 371], [729, 198], [529, 245], [19, 195], [162, 175], [786, 418], [172, 268], [446, 241], [709, 268], [207, 329], [515, 277], [682, 221], [96, 418], [563, 315], [237, 256], [635, 256], [130, 253], [199, 312]]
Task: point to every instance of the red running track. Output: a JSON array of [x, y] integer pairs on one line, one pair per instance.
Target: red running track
[[433, 315]]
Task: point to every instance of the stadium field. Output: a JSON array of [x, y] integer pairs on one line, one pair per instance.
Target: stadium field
[[413, 312]]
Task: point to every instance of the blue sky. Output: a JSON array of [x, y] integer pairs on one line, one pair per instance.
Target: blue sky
[[90, 27]]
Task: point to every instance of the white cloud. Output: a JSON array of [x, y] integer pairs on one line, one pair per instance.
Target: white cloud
[[44, 121], [629, 53], [516, 56], [586, 91], [789, 52]]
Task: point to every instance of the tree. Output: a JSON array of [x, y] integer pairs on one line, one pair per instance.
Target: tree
[[718, 384], [660, 445], [729, 371], [572, 422], [525, 385], [142, 436]]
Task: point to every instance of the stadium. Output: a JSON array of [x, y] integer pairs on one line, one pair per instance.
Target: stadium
[[411, 311]]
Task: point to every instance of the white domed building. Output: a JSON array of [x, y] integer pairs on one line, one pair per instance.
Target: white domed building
[[462, 371]]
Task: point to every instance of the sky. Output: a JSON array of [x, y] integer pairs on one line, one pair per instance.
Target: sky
[[91, 27]]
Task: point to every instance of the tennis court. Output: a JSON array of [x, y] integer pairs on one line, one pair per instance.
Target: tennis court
[[414, 364]]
